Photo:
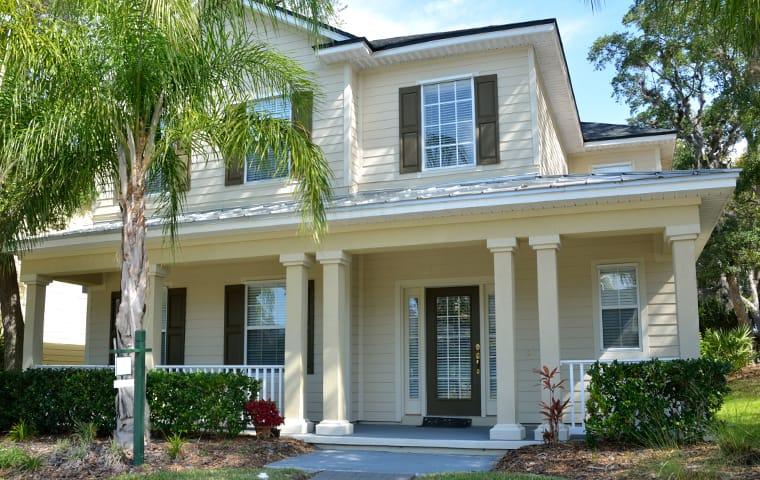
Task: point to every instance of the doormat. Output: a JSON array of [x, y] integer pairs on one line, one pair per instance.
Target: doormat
[[446, 422]]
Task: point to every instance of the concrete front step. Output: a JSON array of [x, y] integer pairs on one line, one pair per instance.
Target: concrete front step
[[418, 445]]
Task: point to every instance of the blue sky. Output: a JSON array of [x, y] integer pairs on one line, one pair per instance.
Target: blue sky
[[578, 25]]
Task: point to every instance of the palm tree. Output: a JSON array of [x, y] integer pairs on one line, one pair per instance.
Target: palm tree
[[134, 82]]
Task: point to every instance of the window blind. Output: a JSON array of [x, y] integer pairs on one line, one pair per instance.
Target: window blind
[[619, 299], [265, 324], [492, 346], [266, 167], [453, 333], [413, 314]]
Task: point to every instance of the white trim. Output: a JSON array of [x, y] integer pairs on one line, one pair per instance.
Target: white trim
[[412, 406], [628, 167], [448, 78], [280, 282], [621, 353], [292, 20], [621, 142]]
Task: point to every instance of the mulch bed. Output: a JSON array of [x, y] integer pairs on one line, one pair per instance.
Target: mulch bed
[[101, 462], [575, 461]]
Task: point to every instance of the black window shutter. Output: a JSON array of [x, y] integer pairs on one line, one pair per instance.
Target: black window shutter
[[302, 108], [234, 324], [175, 326], [410, 127], [487, 119], [310, 330], [115, 302]]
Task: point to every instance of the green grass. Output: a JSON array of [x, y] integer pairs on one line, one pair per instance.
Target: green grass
[[742, 405], [488, 476], [222, 474], [15, 458]]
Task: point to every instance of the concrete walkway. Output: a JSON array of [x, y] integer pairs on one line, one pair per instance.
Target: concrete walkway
[[374, 465]]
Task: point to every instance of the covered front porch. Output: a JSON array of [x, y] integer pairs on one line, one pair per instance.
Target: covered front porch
[[356, 344]]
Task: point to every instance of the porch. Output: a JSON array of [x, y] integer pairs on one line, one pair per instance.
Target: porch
[[359, 342]]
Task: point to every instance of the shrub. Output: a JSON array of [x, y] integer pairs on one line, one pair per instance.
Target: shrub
[[194, 403], [264, 413], [16, 458], [85, 432], [554, 411], [174, 446], [733, 346], [19, 432], [55, 401], [654, 401]]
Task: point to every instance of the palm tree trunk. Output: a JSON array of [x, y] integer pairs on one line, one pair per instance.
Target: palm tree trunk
[[134, 283], [10, 309]]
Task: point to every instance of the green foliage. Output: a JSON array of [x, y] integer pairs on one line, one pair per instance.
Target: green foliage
[[19, 432], [715, 314], [654, 402], [739, 443], [195, 403], [54, 400], [81, 401], [85, 432], [734, 346], [15, 458], [175, 444], [673, 72]]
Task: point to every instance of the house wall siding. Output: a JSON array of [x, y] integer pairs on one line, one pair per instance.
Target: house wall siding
[[552, 157], [207, 189], [379, 167], [645, 159]]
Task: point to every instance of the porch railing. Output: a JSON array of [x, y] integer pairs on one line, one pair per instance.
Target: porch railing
[[271, 377], [576, 373]]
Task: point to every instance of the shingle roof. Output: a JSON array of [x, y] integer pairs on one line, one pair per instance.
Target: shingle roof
[[595, 131], [506, 184]]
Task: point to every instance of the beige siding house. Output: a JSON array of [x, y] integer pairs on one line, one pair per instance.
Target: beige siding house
[[479, 230]]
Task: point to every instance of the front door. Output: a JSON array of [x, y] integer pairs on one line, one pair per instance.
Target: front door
[[453, 351]]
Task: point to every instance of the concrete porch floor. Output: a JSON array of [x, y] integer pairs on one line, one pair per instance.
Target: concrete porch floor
[[470, 440]]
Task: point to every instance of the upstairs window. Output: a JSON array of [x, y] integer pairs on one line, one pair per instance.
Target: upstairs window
[[266, 167], [448, 124], [619, 302]]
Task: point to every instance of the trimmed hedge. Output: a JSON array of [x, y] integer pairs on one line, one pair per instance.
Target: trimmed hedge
[[194, 403], [654, 402], [52, 400]]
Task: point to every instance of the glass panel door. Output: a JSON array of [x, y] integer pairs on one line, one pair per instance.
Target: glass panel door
[[453, 345]]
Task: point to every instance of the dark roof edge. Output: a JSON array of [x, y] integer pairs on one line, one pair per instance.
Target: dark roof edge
[[631, 135], [431, 37]]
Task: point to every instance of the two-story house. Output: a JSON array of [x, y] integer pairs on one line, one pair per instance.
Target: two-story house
[[479, 230]]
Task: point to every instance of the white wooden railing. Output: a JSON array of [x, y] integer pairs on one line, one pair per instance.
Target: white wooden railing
[[576, 373], [271, 377]]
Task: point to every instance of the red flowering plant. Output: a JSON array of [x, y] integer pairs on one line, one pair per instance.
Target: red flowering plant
[[264, 413]]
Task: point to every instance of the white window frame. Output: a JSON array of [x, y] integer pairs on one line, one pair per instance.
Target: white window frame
[[414, 406], [279, 282], [621, 353], [274, 180], [626, 167], [424, 168], [164, 352]]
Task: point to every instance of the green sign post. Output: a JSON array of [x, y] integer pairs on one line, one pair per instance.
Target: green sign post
[[138, 444]]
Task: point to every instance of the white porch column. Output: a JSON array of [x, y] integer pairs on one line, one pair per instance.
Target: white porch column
[[336, 344], [507, 426], [685, 275], [546, 247], [296, 288], [34, 319], [152, 320]]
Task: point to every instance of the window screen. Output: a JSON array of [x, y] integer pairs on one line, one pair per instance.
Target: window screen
[[265, 324], [266, 167], [448, 125], [619, 299]]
